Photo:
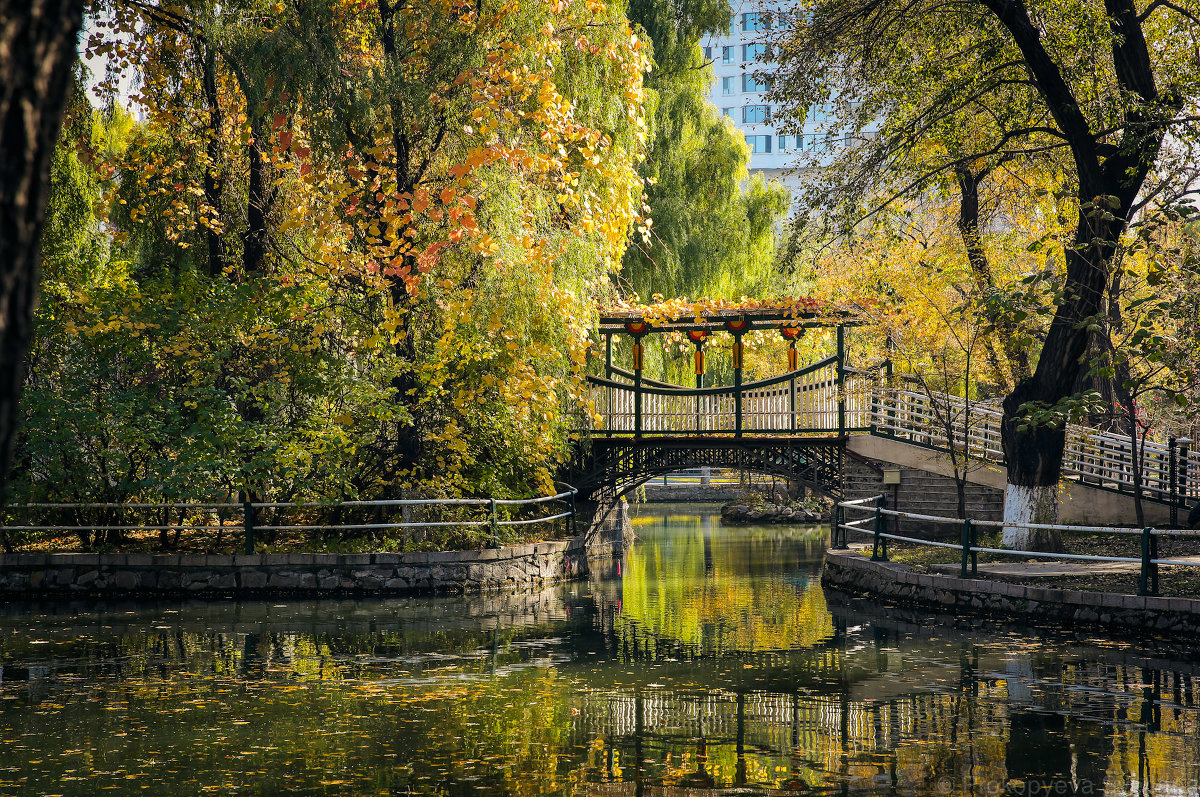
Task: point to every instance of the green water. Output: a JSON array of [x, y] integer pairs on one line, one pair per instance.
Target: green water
[[715, 661]]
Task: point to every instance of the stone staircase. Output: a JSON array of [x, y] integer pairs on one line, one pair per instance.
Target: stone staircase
[[920, 492]]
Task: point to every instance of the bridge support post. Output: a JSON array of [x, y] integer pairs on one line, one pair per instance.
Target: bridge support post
[[841, 378], [637, 385], [737, 328]]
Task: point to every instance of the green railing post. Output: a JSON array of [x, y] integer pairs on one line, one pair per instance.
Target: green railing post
[[879, 548], [974, 553], [574, 521], [966, 548], [1148, 578], [248, 523], [494, 523], [637, 403], [841, 378]]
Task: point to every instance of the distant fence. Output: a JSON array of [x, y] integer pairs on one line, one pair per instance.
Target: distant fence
[[253, 518], [969, 547]]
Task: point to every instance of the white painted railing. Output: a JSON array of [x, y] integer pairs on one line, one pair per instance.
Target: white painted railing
[[807, 402], [1091, 456]]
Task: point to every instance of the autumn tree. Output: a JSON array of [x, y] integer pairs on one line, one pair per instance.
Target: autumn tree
[[1100, 85], [355, 249]]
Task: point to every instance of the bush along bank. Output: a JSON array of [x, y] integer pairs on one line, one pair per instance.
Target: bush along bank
[[756, 508]]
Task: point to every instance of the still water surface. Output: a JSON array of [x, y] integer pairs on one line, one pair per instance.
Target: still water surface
[[714, 664]]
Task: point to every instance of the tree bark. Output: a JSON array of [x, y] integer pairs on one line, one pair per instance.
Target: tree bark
[[1109, 181], [213, 184], [37, 50], [981, 269]]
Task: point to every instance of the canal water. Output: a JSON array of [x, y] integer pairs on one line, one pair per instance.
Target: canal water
[[714, 663]]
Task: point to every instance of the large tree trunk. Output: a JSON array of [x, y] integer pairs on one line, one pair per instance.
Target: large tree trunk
[[37, 50], [1109, 181]]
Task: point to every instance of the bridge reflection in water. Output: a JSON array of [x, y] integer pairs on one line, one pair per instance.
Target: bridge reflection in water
[[715, 663]]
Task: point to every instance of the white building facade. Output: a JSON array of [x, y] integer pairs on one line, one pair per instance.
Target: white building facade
[[739, 96]]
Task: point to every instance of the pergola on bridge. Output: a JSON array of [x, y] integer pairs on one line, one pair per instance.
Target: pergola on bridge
[[796, 425], [793, 425]]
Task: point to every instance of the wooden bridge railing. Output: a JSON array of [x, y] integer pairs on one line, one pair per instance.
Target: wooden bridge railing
[[805, 401], [808, 402]]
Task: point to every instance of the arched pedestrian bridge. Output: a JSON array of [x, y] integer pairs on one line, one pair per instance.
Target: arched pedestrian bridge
[[807, 423]]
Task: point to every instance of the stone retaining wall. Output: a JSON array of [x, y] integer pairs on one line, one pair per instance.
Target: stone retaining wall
[[72, 575], [897, 584]]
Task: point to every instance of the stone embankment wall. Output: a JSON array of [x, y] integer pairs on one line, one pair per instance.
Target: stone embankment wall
[[114, 575], [889, 582], [692, 494]]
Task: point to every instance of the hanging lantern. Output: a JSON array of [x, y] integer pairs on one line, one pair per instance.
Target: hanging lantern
[[791, 335], [698, 336], [737, 326]]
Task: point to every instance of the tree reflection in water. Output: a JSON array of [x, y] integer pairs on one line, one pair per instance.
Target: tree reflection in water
[[715, 663]]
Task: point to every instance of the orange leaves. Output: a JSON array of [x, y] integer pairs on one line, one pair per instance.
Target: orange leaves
[[429, 258]]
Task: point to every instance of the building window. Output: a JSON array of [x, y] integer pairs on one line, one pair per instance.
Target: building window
[[759, 143], [727, 85], [753, 51], [708, 53], [750, 83], [754, 21], [756, 114], [727, 112], [806, 141], [782, 142], [727, 55]]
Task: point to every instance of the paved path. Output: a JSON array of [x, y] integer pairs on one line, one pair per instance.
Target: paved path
[[1044, 569], [1056, 569]]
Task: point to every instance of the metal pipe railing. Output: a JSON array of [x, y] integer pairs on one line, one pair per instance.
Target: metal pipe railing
[[1148, 560], [250, 509]]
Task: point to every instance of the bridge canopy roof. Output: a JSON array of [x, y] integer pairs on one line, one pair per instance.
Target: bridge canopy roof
[[684, 315]]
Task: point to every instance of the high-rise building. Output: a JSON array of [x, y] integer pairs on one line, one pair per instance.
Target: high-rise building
[[739, 92]]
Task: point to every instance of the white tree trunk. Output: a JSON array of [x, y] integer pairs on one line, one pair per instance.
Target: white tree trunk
[[1030, 505]]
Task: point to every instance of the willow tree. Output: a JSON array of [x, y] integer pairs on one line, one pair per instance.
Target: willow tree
[[713, 226], [1100, 85]]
